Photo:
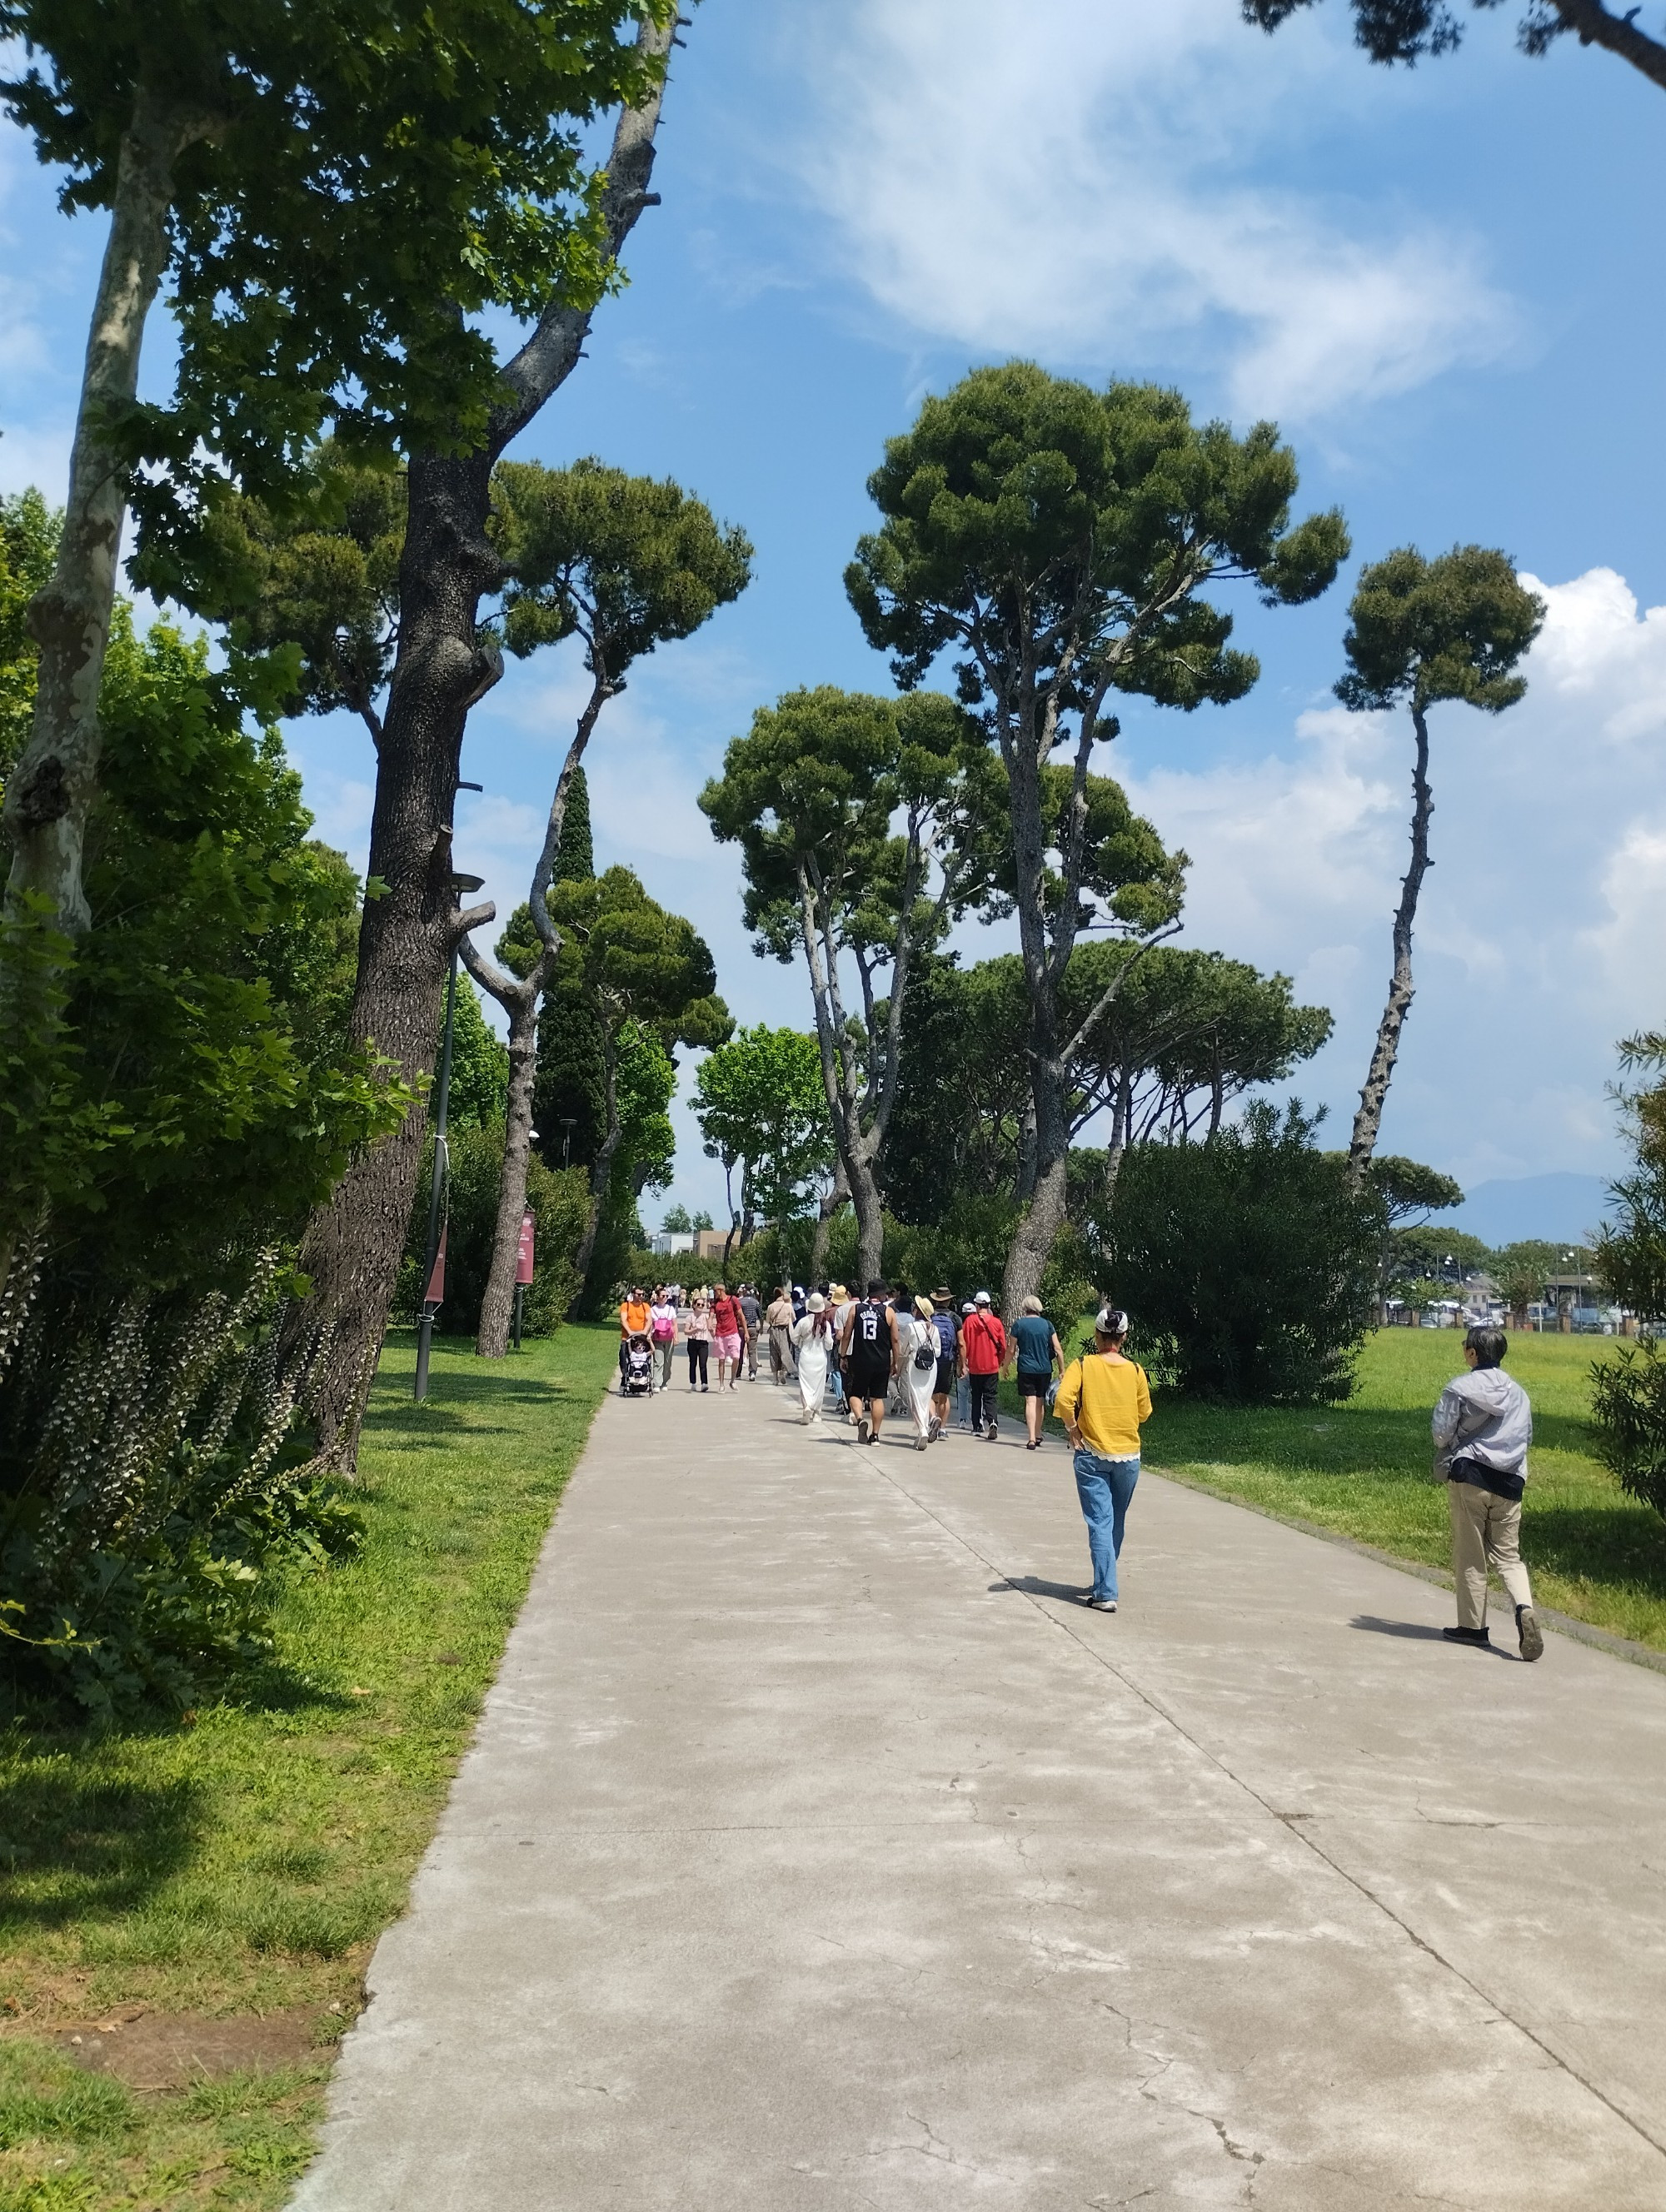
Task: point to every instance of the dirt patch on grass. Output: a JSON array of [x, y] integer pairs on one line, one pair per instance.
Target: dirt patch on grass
[[171, 2050]]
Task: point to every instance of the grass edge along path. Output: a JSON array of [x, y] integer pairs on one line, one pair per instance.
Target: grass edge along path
[[217, 1882], [1360, 1472]]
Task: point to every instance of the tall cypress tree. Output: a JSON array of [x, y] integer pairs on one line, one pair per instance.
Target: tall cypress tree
[[571, 1082]]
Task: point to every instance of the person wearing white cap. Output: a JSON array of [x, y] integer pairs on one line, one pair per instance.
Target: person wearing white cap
[[983, 1345], [813, 1336], [918, 1339]]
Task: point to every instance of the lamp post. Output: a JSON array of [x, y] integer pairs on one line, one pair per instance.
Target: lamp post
[[442, 1164]]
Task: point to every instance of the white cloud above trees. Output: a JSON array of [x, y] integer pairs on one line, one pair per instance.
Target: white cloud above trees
[[1069, 180]]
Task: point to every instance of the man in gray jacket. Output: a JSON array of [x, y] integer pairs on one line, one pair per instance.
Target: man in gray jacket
[[1483, 1425]]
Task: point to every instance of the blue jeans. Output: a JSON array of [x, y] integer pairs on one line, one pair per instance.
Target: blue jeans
[[1106, 1487]]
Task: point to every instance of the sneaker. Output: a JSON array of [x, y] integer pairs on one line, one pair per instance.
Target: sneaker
[[992, 1434], [1532, 1636], [934, 1432], [1478, 1636], [1103, 1604], [861, 1428], [920, 1444]]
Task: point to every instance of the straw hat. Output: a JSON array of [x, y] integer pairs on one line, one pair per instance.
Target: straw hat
[[923, 1307], [840, 1294]]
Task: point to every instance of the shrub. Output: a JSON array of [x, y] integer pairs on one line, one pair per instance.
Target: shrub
[[1628, 1403], [557, 1202], [1248, 1268], [154, 1485]]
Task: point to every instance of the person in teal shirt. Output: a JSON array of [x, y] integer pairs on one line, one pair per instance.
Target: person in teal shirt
[[1036, 1349]]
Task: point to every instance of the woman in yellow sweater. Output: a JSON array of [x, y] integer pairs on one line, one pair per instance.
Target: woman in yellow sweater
[[1102, 1401]]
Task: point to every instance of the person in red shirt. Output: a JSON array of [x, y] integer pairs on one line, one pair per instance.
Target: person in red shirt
[[729, 1322], [984, 1346]]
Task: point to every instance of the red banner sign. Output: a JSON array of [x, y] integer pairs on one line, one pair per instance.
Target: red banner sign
[[523, 1258], [435, 1294]]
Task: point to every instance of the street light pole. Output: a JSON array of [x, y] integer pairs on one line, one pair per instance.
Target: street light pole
[[441, 1163]]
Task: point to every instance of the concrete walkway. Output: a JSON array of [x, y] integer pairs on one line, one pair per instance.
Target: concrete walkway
[[818, 1851]]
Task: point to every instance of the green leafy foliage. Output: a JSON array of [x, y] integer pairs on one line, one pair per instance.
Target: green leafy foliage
[[1408, 30], [28, 543], [760, 1104], [1629, 1398], [559, 1207], [1424, 630], [1248, 1265], [627, 563], [336, 132], [1102, 514], [479, 1065]]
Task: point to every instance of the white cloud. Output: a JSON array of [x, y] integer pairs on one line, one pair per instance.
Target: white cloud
[[1540, 931], [1055, 178]]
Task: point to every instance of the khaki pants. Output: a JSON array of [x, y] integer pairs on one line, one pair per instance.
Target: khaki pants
[[1486, 1531]]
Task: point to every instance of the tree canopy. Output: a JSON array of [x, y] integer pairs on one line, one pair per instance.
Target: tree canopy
[[1407, 30], [1453, 628], [759, 1102]]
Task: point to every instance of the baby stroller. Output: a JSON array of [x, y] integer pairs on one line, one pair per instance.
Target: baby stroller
[[636, 1369]]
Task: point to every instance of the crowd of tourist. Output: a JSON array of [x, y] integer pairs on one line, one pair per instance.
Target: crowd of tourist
[[857, 1359]]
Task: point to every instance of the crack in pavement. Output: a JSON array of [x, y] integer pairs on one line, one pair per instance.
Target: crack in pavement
[[1294, 1824]]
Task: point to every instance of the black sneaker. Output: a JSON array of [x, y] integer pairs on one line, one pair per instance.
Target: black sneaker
[[861, 1428], [1478, 1636], [1532, 1636]]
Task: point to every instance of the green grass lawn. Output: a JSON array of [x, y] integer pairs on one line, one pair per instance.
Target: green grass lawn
[[1363, 1468], [225, 1876]]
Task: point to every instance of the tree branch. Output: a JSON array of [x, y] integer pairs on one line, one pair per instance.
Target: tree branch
[[1593, 26], [551, 353]]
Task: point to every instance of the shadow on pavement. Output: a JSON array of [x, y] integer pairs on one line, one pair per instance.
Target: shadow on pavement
[[1033, 1586]]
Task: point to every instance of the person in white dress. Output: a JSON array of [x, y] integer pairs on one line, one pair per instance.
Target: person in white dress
[[813, 1337], [920, 1339]]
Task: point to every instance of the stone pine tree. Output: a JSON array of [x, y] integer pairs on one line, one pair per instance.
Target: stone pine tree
[[623, 564], [1056, 541], [1407, 30], [1421, 633], [814, 795]]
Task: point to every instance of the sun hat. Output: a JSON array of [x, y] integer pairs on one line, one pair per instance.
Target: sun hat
[[815, 1303], [982, 1299], [840, 1294], [945, 1296], [923, 1307]]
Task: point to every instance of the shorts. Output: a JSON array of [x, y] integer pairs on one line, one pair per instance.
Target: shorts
[[1035, 1383], [867, 1378], [945, 1378], [727, 1348]]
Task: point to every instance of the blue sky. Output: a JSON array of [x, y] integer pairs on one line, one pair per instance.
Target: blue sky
[[1443, 284]]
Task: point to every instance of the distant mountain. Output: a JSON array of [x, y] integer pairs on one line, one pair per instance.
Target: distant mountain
[[1555, 1207]]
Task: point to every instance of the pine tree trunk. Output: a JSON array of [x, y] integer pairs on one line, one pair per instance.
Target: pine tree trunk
[[1037, 1233], [354, 1245], [1368, 1120], [498, 1306], [53, 785]]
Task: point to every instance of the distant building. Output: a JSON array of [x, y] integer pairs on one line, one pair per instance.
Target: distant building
[[665, 1241]]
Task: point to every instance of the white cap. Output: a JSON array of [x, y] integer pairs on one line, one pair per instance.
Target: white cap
[[982, 1299]]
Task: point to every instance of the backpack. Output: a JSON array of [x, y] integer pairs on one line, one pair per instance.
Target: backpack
[[944, 1324], [925, 1353]]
